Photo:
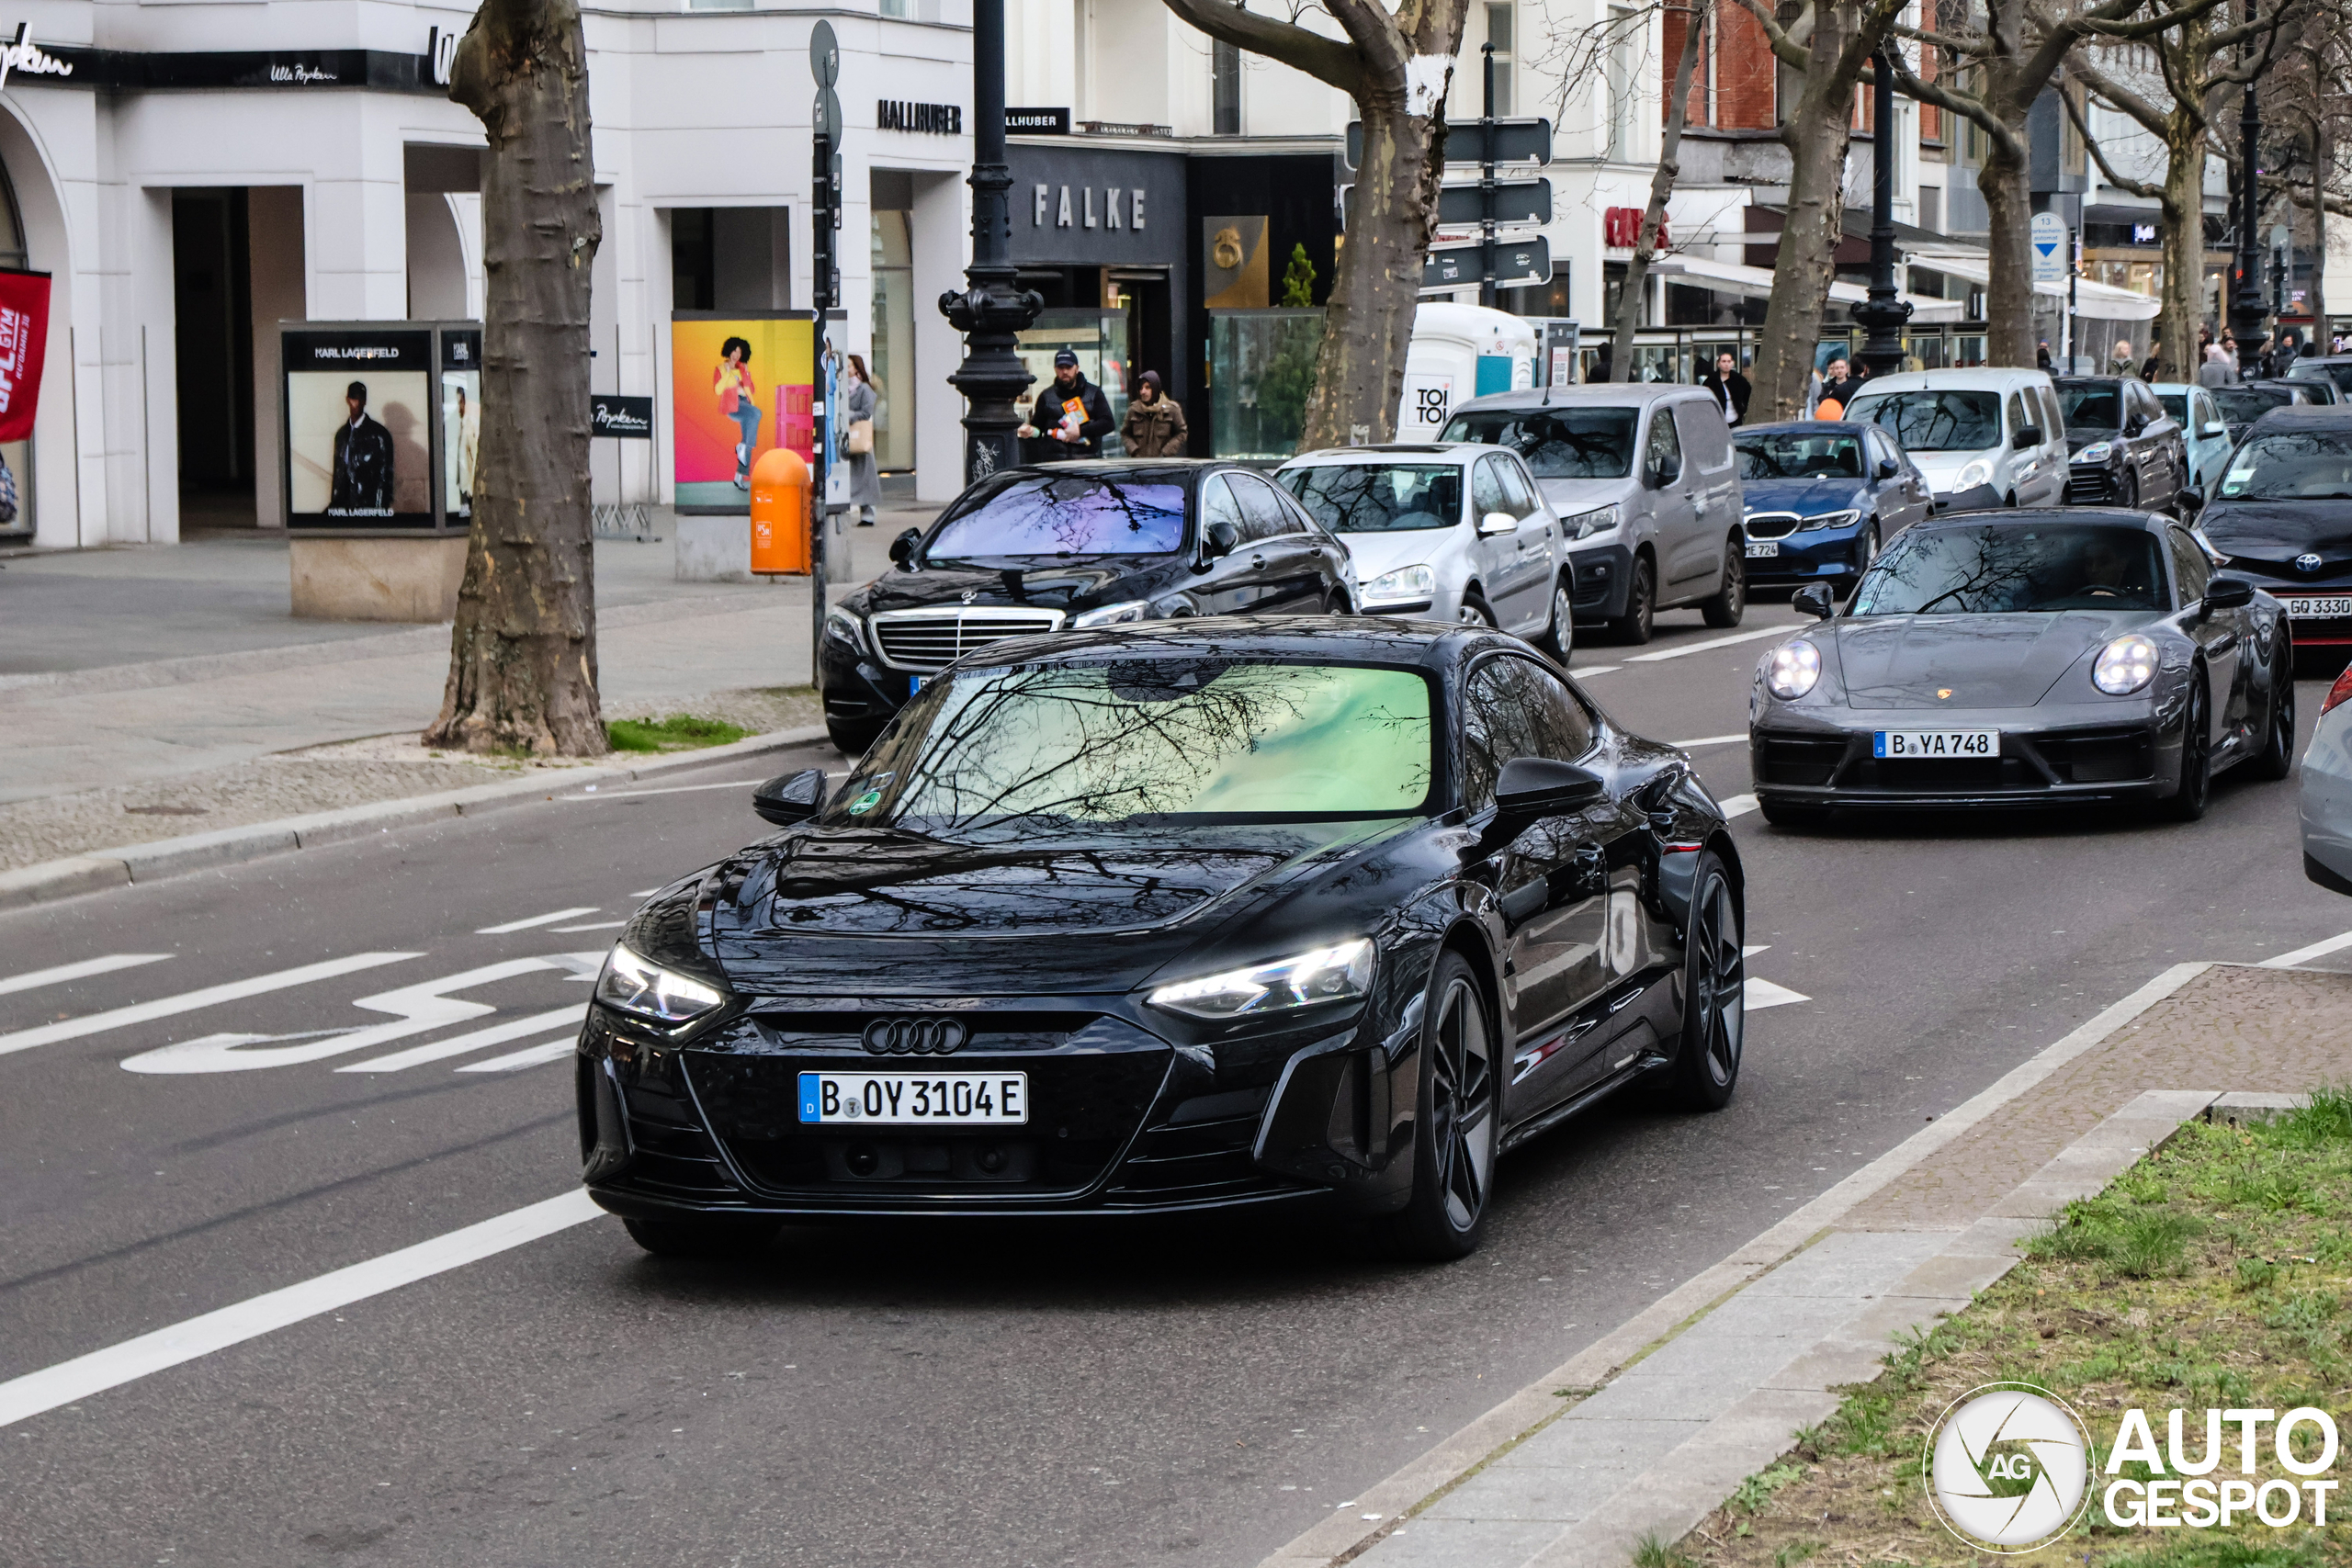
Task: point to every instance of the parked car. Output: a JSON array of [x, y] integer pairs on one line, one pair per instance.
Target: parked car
[[2204, 433], [2123, 448], [1643, 480], [2283, 518], [1072, 546], [1321, 916], [1456, 533], [2334, 368], [2246, 402], [1983, 438], [1821, 498], [2326, 806], [2027, 659]]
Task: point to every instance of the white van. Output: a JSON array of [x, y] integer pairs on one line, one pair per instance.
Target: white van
[[1983, 438], [1459, 352]]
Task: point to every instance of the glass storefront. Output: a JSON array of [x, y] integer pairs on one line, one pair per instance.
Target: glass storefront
[[15, 457], [894, 343], [1098, 338], [1261, 367]]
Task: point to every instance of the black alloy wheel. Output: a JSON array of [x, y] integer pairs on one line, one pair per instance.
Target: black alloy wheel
[[1562, 639], [2195, 756], [1455, 1138], [1476, 611], [1714, 1007], [1641, 606], [718, 1237], [2277, 758], [1730, 601]]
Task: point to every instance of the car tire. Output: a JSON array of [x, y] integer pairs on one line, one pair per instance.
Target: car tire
[[1714, 980], [1641, 606], [1476, 611], [1784, 815], [2277, 758], [1730, 601], [852, 739], [2127, 492], [1561, 637], [1457, 1125], [2196, 791], [718, 1237]]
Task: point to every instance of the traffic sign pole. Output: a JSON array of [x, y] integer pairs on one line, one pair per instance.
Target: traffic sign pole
[[1487, 183]]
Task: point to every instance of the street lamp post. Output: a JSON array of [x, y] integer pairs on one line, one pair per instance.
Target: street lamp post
[[992, 308], [2247, 304], [1883, 314]]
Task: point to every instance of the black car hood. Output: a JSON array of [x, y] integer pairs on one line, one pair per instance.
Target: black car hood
[[856, 909], [1048, 583], [2279, 531], [1806, 497], [1985, 661]]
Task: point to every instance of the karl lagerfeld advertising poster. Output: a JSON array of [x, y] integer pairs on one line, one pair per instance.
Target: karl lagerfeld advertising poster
[[359, 421], [461, 423]]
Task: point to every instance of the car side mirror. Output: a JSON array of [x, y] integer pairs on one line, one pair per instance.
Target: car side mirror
[[1665, 471], [793, 798], [2135, 425], [1498, 522], [2191, 502], [2228, 594], [1531, 788], [903, 548], [1224, 538], [1888, 468], [1814, 600], [2212, 430], [2028, 436]]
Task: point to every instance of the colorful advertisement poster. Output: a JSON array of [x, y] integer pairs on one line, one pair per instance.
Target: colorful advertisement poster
[[742, 386], [461, 423], [359, 428], [24, 339]]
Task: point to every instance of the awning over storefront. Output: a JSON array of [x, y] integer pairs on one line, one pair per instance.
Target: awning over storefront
[[2098, 300], [1732, 277]]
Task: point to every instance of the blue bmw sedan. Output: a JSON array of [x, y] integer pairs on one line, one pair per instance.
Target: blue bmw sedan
[[1822, 496]]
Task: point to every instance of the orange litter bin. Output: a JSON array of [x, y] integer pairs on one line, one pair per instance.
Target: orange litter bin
[[780, 513]]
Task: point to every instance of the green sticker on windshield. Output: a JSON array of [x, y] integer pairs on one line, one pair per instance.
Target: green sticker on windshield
[[865, 803]]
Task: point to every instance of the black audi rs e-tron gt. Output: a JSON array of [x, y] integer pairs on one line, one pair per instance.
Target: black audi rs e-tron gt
[[1173, 916]]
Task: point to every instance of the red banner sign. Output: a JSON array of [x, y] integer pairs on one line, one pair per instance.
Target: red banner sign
[[1621, 227], [24, 339]]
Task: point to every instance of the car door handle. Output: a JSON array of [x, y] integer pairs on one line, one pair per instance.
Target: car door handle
[[1257, 563], [2225, 642]]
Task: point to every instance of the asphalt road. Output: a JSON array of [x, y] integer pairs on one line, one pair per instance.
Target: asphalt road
[[1086, 1394]]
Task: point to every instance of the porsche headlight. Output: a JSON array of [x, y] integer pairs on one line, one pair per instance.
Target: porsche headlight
[[1585, 525], [1791, 669], [1326, 975], [1114, 615], [644, 989], [841, 626], [1830, 520], [1405, 582], [2125, 665], [1976, 473]]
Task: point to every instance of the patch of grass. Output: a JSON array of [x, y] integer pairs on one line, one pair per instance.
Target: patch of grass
[[2139, 1244], [1652, 1552], [1758, 1489], [1796, 1551], [679, 732]]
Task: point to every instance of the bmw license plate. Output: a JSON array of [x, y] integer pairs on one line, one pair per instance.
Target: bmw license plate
[[915, 1099], [2317, 606], [1763, 547], [1911, 743]]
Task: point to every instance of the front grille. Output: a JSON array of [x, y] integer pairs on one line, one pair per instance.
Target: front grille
[[1771, 525], [923, 641], [1785, 760], [2089, 487], [2286, 573]]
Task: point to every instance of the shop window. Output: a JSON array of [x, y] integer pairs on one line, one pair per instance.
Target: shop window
[[1098, 338], [894, 343], [1500, 31], [1261, 367], [1931, 208], [690, 259], [1623, 39]]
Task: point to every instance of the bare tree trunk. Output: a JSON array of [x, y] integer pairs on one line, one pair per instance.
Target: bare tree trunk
[[1817, 131], [2004, 181], [1670, 169], [523, 656], [2181, 209], [1376, 287]]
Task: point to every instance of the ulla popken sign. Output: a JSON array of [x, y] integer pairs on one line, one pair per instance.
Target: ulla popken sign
[[23, 340], [631, 419]]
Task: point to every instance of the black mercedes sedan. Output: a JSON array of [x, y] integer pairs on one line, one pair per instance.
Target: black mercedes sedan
[[1174, 916], [2026, 659], [2282, 516], [1066, 547]]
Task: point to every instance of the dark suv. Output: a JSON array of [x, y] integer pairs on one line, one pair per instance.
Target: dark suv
[[2123, 449]]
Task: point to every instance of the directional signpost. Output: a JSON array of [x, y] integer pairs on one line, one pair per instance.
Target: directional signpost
[[2048, 240], [1514, 263], [1515, 201]]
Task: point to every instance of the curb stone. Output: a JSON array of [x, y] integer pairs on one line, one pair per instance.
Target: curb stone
[[75, 875]]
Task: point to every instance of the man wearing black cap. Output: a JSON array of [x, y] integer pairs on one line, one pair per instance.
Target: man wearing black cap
[[1070, 414], [363, 461], [1155, 425]]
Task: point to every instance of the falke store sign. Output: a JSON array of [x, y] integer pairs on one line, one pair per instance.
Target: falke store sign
[[930, 119], [1095, 206]]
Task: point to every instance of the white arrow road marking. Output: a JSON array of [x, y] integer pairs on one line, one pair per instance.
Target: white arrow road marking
[[88, 966], [148, 1353], [1717, 642], [1752, 952], [2305, 955], [531, 1056], [189, 1001], [1738, 806], [458, 1045], [647, 892], [1709, 740], [546, 920], [1762, 994], [1583, 671]]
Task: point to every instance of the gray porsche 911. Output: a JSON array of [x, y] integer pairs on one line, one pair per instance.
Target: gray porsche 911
[[2026, 659]]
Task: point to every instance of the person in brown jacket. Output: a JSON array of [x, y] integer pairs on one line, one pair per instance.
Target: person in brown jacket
[[1155, 422]]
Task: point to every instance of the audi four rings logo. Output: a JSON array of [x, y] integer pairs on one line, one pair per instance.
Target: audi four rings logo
[[2307, 563], [914, 1037]]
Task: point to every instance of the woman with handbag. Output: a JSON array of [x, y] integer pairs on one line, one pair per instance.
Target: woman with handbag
[[858, 403]]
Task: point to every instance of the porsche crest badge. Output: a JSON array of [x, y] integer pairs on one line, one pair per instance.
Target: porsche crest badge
[[1944, 692]]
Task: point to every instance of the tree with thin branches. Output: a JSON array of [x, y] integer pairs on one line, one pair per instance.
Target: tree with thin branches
[[1649, 240]]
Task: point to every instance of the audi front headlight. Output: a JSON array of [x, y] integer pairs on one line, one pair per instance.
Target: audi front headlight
[[1973, 474], [2097, 452], [1337, 972], [1831, 519], [644, 989], [2125, 665], [843, 627], [1791, 669], [1405, 582], [1585, 525], [1114, 615]]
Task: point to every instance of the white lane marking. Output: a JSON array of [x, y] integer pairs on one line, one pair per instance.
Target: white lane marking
[[88, 966], [1752, 950], [1714, 642], [416, 1009], [529, 1056], [2305, 955], [546, 920], [591, 926], [1762, 994], [458, 1045], [666, 789], [646, 892], [1738, 806], [1709, 740], [1594, 670], [189, 1001], [36, 1392]]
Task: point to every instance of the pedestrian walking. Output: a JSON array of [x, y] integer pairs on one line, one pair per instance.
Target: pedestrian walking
[[1728, 387], [860, 403], [2219, 369], [1071, 414], [1155, 422], [2119, 360]]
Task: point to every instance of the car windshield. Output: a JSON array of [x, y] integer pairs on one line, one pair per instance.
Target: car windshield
[[2244, 405], [1936, 419], [1557, 443], [2298, 465], [1148, 741], [1787, 455], [2337, 371], [2010, 568], [1378, 498], [2091, 405], [1063, 514]]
